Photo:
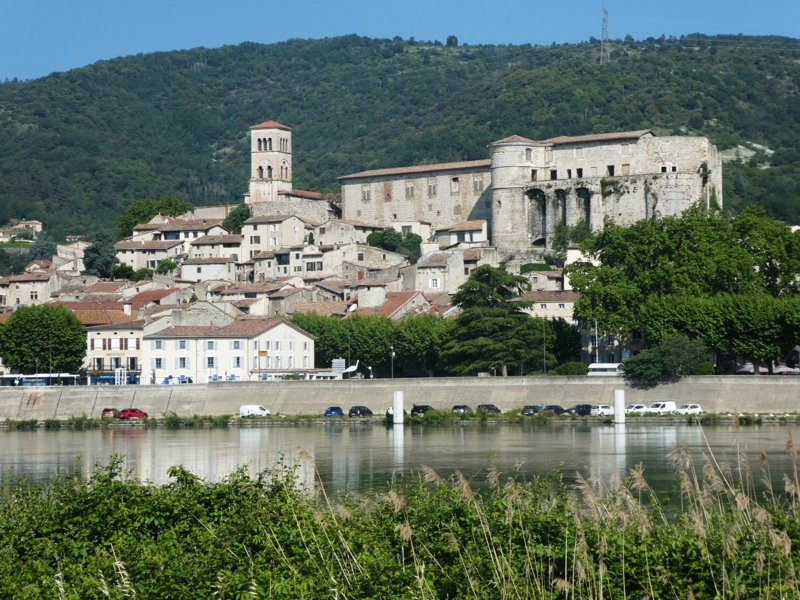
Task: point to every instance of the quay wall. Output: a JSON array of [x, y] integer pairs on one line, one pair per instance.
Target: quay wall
[[718, 394]]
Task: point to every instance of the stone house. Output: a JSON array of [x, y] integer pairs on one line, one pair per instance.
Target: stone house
[[247, 349], [146, 254], [208, 269], [551, 304], [465, 234], [217, 246], [28, 289], [114, 346], [273, 232]]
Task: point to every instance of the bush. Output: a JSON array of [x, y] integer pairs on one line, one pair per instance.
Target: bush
[[573, 368]]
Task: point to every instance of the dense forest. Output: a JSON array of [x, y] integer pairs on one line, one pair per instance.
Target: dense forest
[[78, 146]]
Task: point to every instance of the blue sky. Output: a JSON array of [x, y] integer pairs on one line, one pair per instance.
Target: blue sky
[[38, 37]]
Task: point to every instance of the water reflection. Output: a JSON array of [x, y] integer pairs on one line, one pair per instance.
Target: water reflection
[[351, 456]]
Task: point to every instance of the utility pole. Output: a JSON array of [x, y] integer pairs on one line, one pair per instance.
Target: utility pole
[[605, 52]]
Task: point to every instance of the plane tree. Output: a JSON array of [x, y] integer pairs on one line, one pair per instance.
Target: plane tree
[[43, 337]]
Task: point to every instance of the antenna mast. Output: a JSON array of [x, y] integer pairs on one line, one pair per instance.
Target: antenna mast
[[605, 52]]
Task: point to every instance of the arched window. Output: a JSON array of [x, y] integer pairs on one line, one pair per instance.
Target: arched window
[[261, 172], [269, 172], [269, 143], [259, 144]]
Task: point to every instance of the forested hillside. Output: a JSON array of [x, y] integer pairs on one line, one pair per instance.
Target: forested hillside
[[76, 147]]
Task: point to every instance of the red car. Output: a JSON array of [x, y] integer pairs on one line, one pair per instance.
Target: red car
[[131, 413]]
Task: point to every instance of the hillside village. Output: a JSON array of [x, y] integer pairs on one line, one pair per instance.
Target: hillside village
[[220, 314]]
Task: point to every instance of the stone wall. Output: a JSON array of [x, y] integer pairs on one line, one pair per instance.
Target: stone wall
[[734, 394]]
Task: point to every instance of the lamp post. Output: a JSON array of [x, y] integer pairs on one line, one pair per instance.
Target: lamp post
[[391, 348], [544, 344], [370, 372]]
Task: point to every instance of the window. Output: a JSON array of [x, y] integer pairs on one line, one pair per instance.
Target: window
[[34, 295], [305, 346], [579, 172], [182, 362], [528, 154], [534, 174], [115, 344], [477, 183], [610, 170], [182, 345], [291, 345], [569, 173], [360, 256], [236, 344], [543, 306], [674, 168], [273, 227], [255, 344], [255, 239], [663, 168], [561, 306], [406, 229], [553, 173], [273, 242], [268, 345], [291, 362], [305, 362], [409, 190], [158, 344], [454, 185], [278, 345], [625, 170], [236, 362], [98, 364], [365, 194], [277, 362], [210, 345], [211, 362], [157, 362], [434, 283], [432, 189]]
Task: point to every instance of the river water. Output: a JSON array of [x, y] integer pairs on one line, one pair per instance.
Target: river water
[[364, 457]]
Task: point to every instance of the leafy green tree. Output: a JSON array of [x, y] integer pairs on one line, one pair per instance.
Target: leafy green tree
[[143, 274], [166, 266], [44, 248], [417, 340], [122, 271], [667, 361], [43, 337], [392, 240], [568, 345], [236, 218], [100, 258], [141, 211], [12, 262]]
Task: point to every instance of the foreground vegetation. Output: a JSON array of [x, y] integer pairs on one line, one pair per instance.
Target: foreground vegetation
[[113, 536]]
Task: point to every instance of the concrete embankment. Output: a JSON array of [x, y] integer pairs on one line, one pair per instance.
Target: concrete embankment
[[735, 394]]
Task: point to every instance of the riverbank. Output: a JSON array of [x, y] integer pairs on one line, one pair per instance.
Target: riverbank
[[717, 394]]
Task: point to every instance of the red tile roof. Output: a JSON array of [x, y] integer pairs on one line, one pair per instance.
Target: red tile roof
[[150, 296], [271, 125], [394, 302], [516, 139], [453, 166], [598, 137], [147, 244], [302, 194]]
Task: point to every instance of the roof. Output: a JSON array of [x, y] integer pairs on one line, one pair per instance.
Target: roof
[[432, 168], [212, 260], [106, 287], [236, 289], [39, 262], [241, 328], [599, 137], [394, 302], [478, 224], [147, 244], [516, 139], [433, 260], [371, 265], [471, 255], [355, 223], [301, 194], [217, 239], [270, 219], [329, 308], [137, 324], [271, 125], [159, 223], [22, 277], [97, 313], [148, 296]]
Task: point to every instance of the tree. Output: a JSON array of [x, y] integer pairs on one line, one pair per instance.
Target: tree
[[389, 239], [100, 257], [141, 211], [492, 333], [43, 337], [236, 218], [417, 340], [44, 248], [452, 41], [122, 271], [166, 266], [667, 361]]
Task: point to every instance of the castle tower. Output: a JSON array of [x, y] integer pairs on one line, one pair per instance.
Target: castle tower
[[517, 162], [270, 161]]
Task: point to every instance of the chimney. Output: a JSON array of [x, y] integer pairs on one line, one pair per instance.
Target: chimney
[[126, 308]]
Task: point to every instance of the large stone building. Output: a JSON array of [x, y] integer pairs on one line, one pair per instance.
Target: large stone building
[[527, 188]]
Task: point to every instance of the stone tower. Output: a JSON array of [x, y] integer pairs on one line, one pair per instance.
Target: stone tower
[[515, 161], [270, 161]]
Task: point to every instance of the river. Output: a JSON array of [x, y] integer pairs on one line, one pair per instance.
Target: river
[[363, 457]]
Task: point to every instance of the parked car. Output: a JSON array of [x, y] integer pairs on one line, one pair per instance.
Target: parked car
[[580, 410], [689, 409], [532, 409], [359, 411], [490, 409], [109, 413], [333, 411], [553, 409], [253, 410], [419, 410], [602, 410], [461, 409], [661, 408], [635, 409], [131, 413]]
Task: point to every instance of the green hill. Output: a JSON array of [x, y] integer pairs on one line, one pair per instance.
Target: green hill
[[76, 147]]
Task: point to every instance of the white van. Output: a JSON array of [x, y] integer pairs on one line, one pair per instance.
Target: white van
[[253, 410], [605, 370], [665, 407]]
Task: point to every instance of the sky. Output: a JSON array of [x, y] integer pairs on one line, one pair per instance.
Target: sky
[[39, 37]]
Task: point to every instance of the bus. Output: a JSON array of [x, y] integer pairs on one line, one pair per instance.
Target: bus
[[38, 379], [605, 370]]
